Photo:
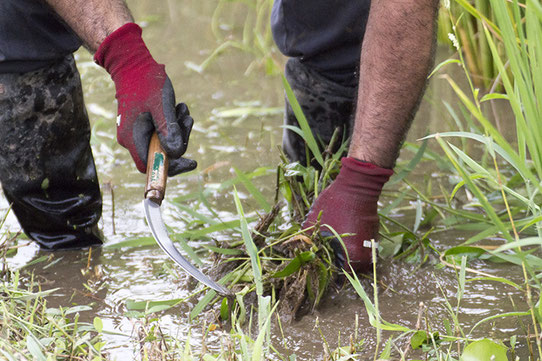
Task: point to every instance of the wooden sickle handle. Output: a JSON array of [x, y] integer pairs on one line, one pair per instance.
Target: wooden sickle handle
[[157, 166]]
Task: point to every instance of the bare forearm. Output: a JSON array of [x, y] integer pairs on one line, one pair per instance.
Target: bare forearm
[[396, 58], [92, 20]]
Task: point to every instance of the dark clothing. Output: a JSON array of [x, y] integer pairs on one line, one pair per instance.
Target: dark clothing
[[325, 35], [323, 39], [32, 36], [46, 166], [327, 105]]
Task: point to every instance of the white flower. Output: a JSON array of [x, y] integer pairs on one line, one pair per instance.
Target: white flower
[[453, 40], [447, 4]]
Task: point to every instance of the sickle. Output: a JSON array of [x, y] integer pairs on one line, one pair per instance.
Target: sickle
[[157, 165]]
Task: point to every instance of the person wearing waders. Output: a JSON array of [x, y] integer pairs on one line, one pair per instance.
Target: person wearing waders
[[369, 92], [47, 169]]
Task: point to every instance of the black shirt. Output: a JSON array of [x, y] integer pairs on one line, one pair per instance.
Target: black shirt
[[32, 36]]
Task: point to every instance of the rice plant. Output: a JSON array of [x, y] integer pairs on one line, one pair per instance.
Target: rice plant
[[506, 180], [461, 25]]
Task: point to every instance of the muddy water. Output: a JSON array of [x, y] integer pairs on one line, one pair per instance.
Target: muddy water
[[178, 32]]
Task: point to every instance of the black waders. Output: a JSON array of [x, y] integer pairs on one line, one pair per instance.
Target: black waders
[[46, 166]]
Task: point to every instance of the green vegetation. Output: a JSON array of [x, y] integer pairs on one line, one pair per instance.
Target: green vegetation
[[461, 24], [33, 331], [506, 179], [465, 21], [29, 329]]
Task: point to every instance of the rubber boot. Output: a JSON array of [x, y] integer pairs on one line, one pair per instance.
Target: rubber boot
[[326, 104], [47, 169]]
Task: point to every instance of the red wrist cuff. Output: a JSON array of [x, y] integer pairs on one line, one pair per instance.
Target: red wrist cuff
[[124, 51], [129, 32], [357, 166]]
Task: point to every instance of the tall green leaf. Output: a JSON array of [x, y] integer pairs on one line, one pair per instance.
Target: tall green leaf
[[303, 123], [250, 246]]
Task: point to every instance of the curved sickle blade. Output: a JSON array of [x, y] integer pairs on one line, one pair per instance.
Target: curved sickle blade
[[158, 229]]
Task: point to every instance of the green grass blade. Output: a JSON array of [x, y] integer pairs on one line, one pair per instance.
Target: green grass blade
[[529, 241], [484, 140], [397, 177], [497, 279], [198, 308], [256, 194], [535, 7], [485, 234], [189, 251], [374, 317], [489, 178], [195, 214], [34, 347], [444, 63], [369, 307], [501, 315], [474, 12], [304, 125], [491, 213], [144, 305], [250, 246], [295, 264], [514, 43], [258, 353]]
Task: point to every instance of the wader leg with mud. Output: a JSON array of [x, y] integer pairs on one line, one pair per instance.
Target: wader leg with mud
[[322, 39], [47, 169]]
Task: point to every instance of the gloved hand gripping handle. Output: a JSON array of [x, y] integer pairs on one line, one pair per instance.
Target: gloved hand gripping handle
[[157, 166]]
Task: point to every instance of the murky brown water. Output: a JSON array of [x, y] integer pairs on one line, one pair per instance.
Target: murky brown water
[[177, 32]]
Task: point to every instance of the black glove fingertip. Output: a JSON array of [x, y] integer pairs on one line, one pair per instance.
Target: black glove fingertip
[[181, 165], [174, 144], [188, 123], [189, 164], [181, 110]]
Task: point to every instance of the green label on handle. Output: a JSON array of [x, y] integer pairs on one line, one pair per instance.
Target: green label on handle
[[158, 163]]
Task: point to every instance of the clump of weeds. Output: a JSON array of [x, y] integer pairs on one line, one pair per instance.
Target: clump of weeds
[[297, 265], [29, 329]]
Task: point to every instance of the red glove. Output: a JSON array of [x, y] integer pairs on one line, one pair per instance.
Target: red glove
[[349, 205], [146, 100]]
